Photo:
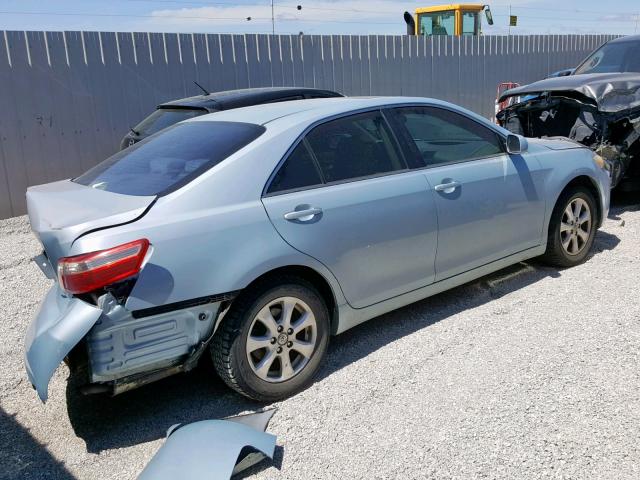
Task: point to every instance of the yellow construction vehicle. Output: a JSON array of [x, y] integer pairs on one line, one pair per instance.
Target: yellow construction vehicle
[[457, 19]]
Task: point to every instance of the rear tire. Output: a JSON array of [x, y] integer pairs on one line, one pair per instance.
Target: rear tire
[[273, 339], [572, 228]]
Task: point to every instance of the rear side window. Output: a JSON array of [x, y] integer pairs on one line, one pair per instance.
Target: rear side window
[[355, 146], [171, 159], [165, 117], [442, 136], [298, 171]]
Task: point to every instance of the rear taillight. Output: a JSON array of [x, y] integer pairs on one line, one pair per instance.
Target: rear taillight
[[91, 271]]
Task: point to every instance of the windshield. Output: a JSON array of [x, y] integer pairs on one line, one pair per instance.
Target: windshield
[[165, 117], [612, 57], [440, 23], [170, 159]]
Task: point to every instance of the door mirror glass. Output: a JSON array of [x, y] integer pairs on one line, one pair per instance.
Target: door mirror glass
[[516, 144], [488, 14]]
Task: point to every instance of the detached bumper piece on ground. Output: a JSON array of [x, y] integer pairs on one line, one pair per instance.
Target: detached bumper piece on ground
[[212, 449]]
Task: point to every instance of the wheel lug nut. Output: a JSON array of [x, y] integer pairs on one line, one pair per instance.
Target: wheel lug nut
[[279, 350], [289, 344], [273, 340], [280, 328], [290, 331]]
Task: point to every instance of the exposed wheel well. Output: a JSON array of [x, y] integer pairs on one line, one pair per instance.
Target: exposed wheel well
[[589, 184], [311, 276]]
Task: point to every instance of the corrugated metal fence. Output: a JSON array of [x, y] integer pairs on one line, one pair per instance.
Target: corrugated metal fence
[[67, 98]]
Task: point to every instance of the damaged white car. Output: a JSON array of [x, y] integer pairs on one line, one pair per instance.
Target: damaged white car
[[254, 234]]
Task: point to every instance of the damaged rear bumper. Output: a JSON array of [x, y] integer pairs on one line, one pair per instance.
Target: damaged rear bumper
[[60, 324], [123, 350]]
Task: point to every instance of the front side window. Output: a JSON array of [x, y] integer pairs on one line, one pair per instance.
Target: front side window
[[438, 23], [172, 158], [356, 146], [442, 136], [165, 117]]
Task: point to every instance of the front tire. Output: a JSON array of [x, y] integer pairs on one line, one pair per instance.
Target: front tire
[[273, 339], [572, 228]]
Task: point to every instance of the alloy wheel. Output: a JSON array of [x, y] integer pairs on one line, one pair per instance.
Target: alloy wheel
[[575, 226], [281, 339]]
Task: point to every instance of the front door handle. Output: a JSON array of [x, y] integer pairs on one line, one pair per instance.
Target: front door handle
[[303, 215], [448, 187]]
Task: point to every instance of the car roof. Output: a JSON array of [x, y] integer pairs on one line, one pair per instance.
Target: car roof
[[304, 112], [240, 98], [626, 38]]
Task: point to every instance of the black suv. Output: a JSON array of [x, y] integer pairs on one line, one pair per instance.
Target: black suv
[[175, 111]]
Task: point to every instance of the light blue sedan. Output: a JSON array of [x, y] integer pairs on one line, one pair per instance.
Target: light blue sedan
[[255, 234]]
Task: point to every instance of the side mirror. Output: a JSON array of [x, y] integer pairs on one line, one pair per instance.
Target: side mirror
[[516, 144], [488, 14]]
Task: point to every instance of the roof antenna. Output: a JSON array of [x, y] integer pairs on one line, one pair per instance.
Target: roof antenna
[[202, 88]]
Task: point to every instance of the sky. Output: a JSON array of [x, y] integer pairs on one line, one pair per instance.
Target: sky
[[314, 17]]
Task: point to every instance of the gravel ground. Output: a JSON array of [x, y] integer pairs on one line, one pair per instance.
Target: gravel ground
[[527, 373]]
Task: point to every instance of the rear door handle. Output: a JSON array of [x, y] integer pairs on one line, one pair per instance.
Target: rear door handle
[[448, 187], [303, 215]]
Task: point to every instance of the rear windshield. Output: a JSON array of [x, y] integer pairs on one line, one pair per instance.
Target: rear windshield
[[172, 158], [165, 117]]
